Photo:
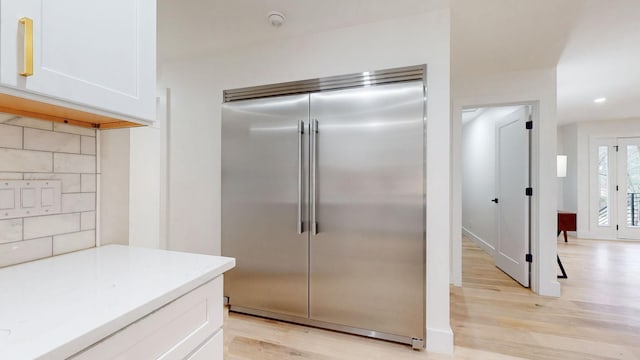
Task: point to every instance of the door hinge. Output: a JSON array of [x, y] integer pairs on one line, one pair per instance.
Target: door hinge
[[617, 228], [617, 188], [528, 191], [528, 258], [616, 146], [529, 124]]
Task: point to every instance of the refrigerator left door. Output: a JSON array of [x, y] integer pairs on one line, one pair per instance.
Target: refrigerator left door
[[264, 202]]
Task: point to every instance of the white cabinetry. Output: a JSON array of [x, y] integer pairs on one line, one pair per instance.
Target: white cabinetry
[[97, 56], [114, 302], [189, 327]]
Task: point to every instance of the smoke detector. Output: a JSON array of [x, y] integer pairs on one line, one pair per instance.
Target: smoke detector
[[276, 18]]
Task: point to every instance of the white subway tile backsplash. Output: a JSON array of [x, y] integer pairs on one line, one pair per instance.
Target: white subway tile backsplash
[[66, 128], [88, 145], [74, 242], [71, 163], [41, 226], [10, 176], [6, 116], [44, 140], [70, 182], [25, 161], [22, 251], [78, 202], [32, 149], [10, 136], [10, 230], [31, 123], [88, 220], [88, 183]]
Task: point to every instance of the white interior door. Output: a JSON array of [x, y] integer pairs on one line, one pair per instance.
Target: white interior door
[[628, 188], [512, 179]]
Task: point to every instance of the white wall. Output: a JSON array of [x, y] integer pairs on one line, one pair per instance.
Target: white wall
[[560, 181], [113, 177], [197, 86], [535, 86], [133, 183], [576, 142], [131, 187], [567, 138], [478, 176], [144, 187]]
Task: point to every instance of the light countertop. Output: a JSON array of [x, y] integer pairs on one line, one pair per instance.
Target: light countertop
[[58, 306]]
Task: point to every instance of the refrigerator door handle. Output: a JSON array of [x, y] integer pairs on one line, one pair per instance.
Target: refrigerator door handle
[[314, 165], [300, 223]]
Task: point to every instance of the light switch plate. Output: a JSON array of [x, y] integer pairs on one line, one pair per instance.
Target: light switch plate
[[28, 197], [24, 198], [7, 199]]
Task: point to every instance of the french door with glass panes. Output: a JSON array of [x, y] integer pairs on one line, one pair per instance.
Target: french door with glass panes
[[615, 198], [628, 187]]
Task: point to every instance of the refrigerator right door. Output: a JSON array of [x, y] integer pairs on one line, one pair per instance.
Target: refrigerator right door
[[367, 169]]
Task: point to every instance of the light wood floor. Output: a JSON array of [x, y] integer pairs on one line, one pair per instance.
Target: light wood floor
[[597, 316]]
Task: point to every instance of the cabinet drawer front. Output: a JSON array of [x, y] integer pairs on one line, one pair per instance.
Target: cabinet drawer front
[[212, 349], [172, 332]]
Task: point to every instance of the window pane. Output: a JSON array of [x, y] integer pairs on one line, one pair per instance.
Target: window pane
[[633, 185], [603, 185]]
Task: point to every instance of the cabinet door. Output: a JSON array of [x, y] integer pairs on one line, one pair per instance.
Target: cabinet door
[[99, 54]]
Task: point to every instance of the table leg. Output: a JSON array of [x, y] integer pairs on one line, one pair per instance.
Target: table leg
[[564, 273], [565, 235]]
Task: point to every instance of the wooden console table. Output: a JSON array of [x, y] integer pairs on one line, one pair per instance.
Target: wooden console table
[[566, 222]]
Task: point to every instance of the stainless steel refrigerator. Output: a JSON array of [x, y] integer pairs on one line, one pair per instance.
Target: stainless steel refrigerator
[[323, 202]]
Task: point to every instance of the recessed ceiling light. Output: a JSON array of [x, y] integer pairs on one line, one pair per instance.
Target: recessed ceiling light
[[600, 100]]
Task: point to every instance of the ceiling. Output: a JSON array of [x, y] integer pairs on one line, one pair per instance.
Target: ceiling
[[601, 59], [193, 27], [594, 43]]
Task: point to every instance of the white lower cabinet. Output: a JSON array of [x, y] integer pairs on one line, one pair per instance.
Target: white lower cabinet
[[189, 327], [212, 349]]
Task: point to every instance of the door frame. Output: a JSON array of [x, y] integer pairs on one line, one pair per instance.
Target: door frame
[[539, 257]]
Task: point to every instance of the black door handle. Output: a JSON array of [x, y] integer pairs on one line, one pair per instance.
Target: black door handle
[[495, 200]]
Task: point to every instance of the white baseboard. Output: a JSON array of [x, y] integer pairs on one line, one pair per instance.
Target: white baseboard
[[592, 236], [552, 289], [488, 248], [440, 341]]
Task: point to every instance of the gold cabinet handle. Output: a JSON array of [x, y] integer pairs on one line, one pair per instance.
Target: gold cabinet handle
[[27, 66]]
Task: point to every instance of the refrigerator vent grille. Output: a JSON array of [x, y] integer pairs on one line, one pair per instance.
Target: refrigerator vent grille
[[368, 78]]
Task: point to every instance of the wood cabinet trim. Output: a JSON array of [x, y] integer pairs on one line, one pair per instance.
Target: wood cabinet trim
[[40, 110]]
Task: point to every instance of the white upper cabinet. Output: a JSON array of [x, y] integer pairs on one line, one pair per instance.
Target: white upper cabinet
[[98, 54]]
